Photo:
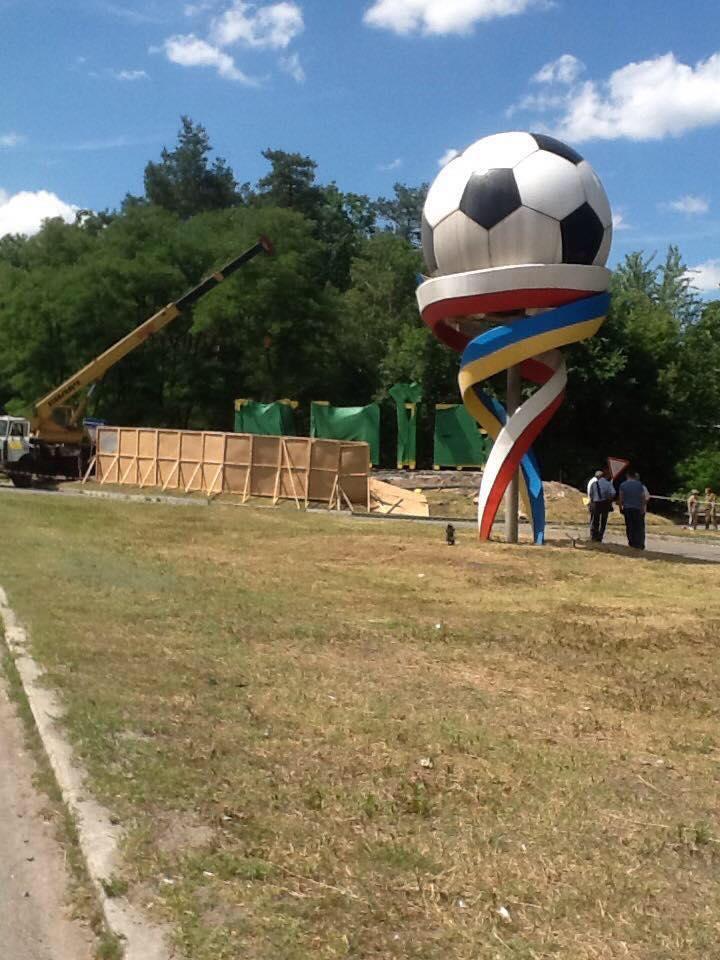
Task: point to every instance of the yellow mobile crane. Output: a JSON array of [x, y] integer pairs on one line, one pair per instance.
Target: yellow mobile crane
[[54, 442]]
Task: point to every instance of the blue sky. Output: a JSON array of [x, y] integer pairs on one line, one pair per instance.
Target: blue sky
[[374, 90]]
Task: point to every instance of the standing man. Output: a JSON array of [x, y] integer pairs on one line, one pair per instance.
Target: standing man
[[710, 509], [633, 505], [601, 494]]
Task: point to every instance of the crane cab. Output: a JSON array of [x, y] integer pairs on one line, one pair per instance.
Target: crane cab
[[14, 439], [14, 446]]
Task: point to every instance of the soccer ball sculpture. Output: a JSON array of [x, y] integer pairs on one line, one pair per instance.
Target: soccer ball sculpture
[[515, 198], [516, 232]]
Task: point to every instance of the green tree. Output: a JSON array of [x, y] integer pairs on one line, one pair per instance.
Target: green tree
[[675, 291], [402, 214], [341, 220], [290, 182], [700, 470], [625, 382], [382, 336], [184, 181]]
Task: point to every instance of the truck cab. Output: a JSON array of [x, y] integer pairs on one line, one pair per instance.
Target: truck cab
[[14, 439]]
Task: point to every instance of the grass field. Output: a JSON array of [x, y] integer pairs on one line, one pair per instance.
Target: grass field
[[329, 738]]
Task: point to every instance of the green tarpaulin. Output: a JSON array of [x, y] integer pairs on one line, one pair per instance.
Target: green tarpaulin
[[406, 397], [347, 423], [458, 440], [265, 419]]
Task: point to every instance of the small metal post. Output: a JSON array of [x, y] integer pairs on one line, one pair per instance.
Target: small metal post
[[512, 494]]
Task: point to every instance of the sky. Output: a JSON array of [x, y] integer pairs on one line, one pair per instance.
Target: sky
[[375, 91]]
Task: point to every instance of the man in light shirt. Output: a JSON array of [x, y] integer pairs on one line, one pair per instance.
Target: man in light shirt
[[633, 505], [601, 494]]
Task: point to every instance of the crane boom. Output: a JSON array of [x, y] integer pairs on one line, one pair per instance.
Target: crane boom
[[47, 425]]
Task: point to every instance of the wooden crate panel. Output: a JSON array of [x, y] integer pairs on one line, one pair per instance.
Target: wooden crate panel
[[236, 479], [147, 443], [168, 444], [286, 468], [238, 450]]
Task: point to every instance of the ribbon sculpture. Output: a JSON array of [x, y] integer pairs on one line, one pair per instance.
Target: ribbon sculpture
[[536, 310]]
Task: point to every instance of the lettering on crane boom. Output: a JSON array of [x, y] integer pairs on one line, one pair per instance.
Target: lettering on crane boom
[[70, 388]]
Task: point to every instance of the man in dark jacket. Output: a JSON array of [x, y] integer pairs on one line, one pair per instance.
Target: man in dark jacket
[[633, 505]]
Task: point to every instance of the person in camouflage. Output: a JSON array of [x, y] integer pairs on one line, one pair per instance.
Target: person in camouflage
[[710, 509]]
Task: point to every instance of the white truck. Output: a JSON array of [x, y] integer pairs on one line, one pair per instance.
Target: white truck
[[14, 445]]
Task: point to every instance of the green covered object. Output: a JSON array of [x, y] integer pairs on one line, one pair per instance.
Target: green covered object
[[406, 397], [458, 439], [347, 423], [265, 419]]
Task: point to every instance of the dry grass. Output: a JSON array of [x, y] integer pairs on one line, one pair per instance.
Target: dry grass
[[334, 739]]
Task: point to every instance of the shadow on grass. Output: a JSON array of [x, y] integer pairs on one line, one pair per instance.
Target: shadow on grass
[[619, 550]]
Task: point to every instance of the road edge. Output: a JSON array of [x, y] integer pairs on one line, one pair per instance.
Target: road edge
[[98, 836]]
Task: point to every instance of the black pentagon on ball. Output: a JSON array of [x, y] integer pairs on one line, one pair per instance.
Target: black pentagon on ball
[[556, 146], [490, 197], [426, 235], [582, 234]]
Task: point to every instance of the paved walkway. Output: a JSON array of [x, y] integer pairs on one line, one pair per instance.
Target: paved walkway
[[34, 918], [695, 547]]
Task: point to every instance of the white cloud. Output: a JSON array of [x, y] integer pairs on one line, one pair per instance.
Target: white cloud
[[645, 101], [619, 222], [271, 27], [705, 276], [539, 102], [110, 143], [566, 69], [449, 155], [11, 139], [392, 165], [130, 75], [441, 16], [294, 67], [130, 14], [689, 204], [559, 80], [193, 9], [191, 51], [25, 212]]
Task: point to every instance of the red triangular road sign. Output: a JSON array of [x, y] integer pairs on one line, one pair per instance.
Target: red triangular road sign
[[616, 466]]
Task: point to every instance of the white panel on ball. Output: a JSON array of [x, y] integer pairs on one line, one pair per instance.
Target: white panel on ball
[[549, 184], [500, 150], [460, 244], [595, 193], [447, 189], [604, 251], [526, 236]]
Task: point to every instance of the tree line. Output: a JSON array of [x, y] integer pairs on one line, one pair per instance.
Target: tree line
[[331, 317]]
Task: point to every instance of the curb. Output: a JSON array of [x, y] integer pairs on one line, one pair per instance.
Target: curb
[[98, 837], [107, 495]]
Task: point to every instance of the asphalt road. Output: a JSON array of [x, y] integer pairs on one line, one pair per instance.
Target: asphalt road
[[34, 916]]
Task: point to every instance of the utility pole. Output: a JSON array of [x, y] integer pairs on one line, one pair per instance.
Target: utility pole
[[512, 494]]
